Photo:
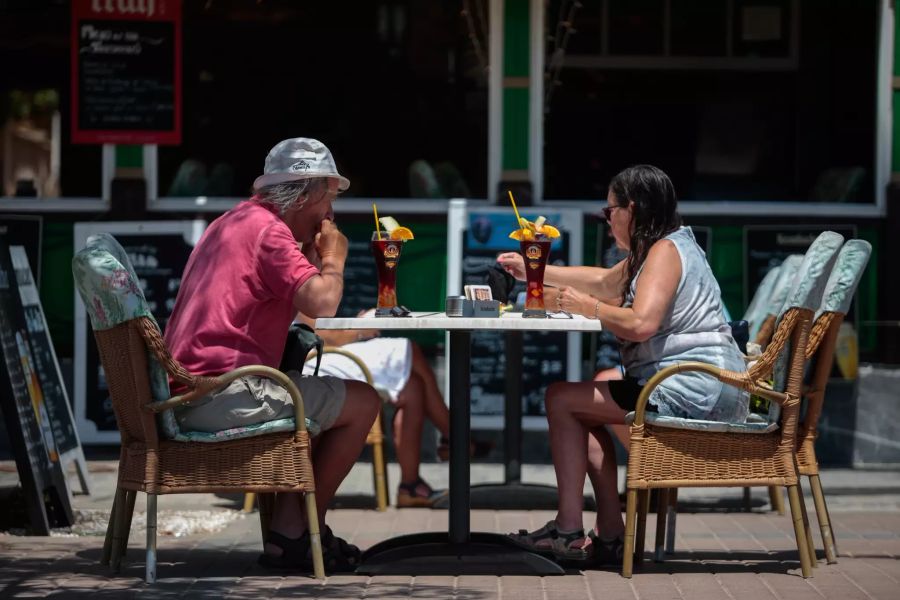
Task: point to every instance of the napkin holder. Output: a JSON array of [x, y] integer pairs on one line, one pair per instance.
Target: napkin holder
[[484, 308]]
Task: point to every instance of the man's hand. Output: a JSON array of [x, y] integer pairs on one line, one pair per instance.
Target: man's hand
[[330, 243], [312, 255]]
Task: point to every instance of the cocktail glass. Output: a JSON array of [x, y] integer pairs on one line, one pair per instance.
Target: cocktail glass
[[535, 253], [387, 254]]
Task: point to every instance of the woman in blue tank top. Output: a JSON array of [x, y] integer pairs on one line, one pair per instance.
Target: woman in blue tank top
[[664, 304]]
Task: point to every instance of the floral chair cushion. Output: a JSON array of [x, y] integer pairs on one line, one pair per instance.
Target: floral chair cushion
[[108, 286]]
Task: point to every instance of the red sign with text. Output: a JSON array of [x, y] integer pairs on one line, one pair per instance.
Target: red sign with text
[[126, 72]]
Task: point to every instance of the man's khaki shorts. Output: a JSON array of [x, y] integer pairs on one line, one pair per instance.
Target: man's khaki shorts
[[251, 400]]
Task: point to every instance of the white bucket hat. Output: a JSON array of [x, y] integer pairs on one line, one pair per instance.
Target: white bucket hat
[[299, 158]]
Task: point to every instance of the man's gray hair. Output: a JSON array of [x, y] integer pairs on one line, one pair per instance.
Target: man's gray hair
[[286, 195]]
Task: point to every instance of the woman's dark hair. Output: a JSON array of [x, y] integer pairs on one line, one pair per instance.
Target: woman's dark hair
[[654, 211]]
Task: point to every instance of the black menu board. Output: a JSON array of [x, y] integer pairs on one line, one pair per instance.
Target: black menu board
[[25, 231], [544, 354], [25, 411], [360, 279], [43, 358], [126, 72], [158, 257]]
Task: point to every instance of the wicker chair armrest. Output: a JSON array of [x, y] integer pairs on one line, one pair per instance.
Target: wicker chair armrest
[[356, 359], [732, 378], [226, 378]]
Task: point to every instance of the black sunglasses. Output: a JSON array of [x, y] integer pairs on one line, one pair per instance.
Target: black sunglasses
[[606, 211]]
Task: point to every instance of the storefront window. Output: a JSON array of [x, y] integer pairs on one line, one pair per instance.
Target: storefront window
[[395, 89], [761, 100], [36, 156]]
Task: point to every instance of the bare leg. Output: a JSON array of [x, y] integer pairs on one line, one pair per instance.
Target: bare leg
[[335, 451], [606, 486], [435, 409], [622, 432], [572, 410], [408, 422]]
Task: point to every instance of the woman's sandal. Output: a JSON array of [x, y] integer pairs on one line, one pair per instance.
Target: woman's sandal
[[560, 545], [408, 495], [294, 555]]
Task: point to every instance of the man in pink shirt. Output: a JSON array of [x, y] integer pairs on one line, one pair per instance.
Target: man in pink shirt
[[254, 268]]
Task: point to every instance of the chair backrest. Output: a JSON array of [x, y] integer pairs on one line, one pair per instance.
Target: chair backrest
[[771, 306], [805, 295], [839, 290], [844, 278], [108, 286], [760, 300]]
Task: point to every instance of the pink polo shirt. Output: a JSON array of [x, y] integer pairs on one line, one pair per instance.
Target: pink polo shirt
[[235, 302]]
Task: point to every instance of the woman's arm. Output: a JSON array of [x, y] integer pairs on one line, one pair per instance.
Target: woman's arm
[[595, 281], [653, 297]]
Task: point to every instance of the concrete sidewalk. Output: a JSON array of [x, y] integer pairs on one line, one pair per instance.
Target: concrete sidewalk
[[720, 553]]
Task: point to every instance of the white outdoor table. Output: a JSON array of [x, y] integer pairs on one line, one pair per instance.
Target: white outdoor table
[[459, 551]]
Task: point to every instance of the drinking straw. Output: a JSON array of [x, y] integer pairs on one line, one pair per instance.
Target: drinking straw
[[518, 218], [377, 226]]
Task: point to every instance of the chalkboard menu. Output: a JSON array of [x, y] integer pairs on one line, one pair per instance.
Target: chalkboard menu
[[126, 72], [545, 355], [159, 252], [765, 247], [361, 279], [25, 411], [25, 231]]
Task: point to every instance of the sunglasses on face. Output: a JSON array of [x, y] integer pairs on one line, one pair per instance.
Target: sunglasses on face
[[607, 211]]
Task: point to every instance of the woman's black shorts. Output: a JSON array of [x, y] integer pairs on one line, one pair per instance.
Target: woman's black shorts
[[625, 393]]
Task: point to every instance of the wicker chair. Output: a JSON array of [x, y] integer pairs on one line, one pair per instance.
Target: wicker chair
[[839, 291], [665, 455], [131, 352]]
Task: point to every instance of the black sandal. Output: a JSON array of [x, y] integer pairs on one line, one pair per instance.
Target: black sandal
[[339, 555], [606, 553], [295, 554], [560, 546], [408, 496]]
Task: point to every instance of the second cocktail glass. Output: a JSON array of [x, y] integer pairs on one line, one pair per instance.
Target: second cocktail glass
[[387, 254], [535, 253]]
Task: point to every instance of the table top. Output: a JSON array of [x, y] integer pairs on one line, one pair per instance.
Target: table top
[[439, 320]]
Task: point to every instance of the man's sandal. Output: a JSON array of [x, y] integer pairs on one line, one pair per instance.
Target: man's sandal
[[295, 554], [559, 544], [339, 555]]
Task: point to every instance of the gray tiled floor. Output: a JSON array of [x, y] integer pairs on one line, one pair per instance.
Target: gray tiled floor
[[719, 554]]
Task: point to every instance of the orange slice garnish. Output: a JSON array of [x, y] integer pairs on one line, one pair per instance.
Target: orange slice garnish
[[402, 233], [549, 231]]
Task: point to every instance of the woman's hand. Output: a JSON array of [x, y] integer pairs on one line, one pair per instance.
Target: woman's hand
[[513, 263], [572, 301]]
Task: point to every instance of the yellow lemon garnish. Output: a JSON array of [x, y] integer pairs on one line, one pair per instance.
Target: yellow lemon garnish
[[522, 235], [405, 233], [550, 231]]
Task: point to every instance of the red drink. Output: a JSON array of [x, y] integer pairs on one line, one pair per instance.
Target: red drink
[[387, 254], [535, 253]]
